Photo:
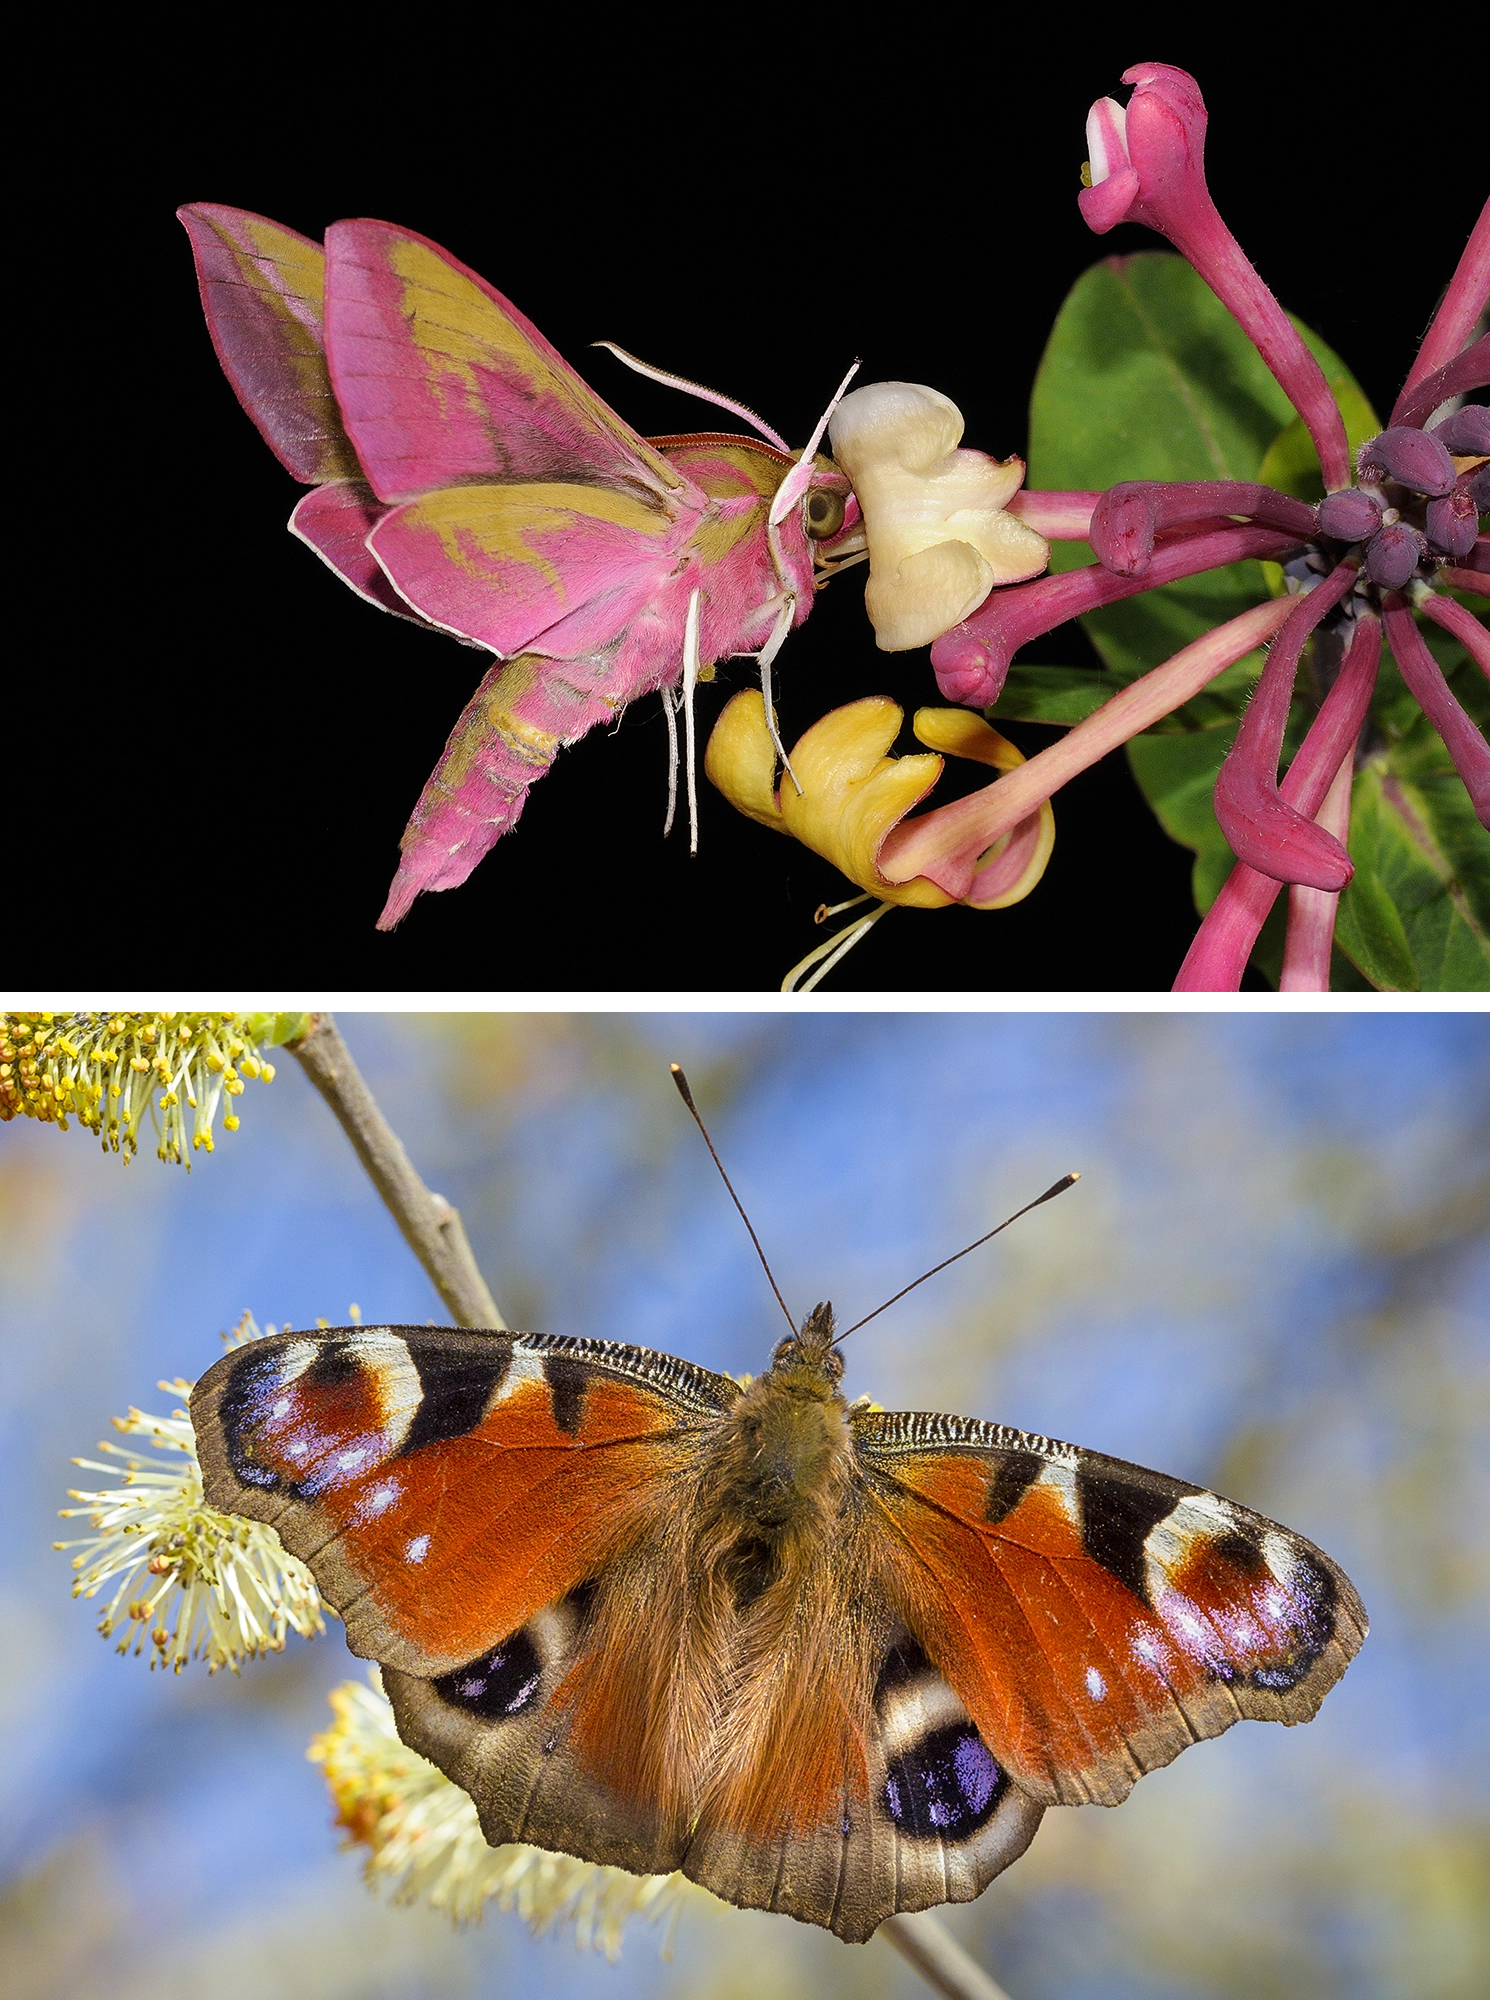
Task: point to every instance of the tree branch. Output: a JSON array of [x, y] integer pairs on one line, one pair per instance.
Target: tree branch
[[431, 1226], [432, 1229], [939, 1958]]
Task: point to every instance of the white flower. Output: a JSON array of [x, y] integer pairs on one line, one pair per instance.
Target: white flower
[[198, 1582], [934, 517], [426, 1843]]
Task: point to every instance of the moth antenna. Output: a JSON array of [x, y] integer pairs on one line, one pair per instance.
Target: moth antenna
[[1067, 1180], [671, 381], [797, 481], [687, 1096], [670, 711], [690, 682]]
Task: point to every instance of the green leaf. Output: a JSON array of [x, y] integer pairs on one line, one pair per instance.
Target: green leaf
[[1408, 920], [1177, 775], [1052, 694]]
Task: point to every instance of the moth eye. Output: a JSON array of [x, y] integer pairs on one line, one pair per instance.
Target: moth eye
[[825, 510]]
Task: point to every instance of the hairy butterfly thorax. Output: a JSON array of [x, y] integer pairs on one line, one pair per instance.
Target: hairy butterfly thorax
[[786, 1464]]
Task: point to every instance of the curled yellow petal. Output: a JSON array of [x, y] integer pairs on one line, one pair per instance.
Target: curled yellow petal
[[939, 538], [1007, 871], [741, 759], [852, 793]]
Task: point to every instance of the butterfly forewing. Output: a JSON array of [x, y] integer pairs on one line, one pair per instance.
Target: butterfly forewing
[[1095, 1617], [445, 1486]]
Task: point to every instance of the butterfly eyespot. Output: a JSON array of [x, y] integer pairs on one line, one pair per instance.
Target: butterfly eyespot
[[825, 510]]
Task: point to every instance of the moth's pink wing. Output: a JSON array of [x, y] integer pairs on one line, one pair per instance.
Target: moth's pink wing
[[262, 290], [335, 520], [442, 382], [505, 565], [262, 287]]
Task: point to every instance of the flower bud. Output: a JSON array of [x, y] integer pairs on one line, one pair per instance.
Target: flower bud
[[1393, 554], [1412, 457], [1453, 522], [1466, 432], [1349, 516], [1478, 488]]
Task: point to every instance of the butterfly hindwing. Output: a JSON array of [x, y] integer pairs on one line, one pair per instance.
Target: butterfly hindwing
[[1097, 1618], [445, 1486]]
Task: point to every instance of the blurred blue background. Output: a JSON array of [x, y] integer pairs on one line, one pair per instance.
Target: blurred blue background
[[1273, 1279]]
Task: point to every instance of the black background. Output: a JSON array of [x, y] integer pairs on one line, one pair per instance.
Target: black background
[[225, 744]]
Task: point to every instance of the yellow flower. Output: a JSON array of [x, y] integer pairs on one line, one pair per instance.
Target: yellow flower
[[195, 1580], [108, 1070], [934, 517], [853, 794], [425, 1843]]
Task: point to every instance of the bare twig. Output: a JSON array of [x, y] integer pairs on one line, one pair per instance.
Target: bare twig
[[939, 1958], [432, 1229], [431, 1226]]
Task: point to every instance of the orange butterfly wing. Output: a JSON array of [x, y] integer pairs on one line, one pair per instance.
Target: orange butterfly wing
[[1096, 1618], [442, 1485]]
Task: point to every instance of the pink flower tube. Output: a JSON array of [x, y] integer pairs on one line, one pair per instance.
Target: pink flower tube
[[947, 845], [1059, 517], [1453, 617], [1129, 515], [1429, 689], [1469, 370], [1218, 957], [1466, 298], [1261, 827], [1148, 165], [972, 660], [1311, 912]]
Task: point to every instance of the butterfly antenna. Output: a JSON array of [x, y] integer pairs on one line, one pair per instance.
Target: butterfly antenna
[[671, 381], [1068, 1180], [687, 1096]]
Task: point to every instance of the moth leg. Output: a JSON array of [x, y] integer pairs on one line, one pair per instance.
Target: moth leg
[[690, 682], [765, 657], [670, 710]]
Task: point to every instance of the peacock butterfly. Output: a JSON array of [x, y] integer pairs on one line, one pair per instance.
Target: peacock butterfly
[[826, 1659]]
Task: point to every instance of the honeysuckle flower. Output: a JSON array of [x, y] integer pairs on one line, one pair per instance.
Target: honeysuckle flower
[[853, 795], [191, 1580], [936, 518], [425, 1843], [946, 845], [1370, 550], [109, 1070], [1317, 787], [1261, 827], [1147, 164], [972, 660]]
